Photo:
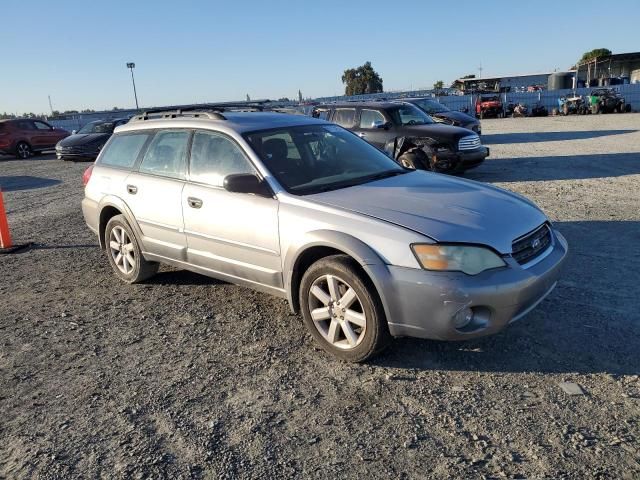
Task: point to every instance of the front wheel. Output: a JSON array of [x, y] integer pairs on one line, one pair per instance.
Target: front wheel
[[123, 251], [341, 309], [23, 150]]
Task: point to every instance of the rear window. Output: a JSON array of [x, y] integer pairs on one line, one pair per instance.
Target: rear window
[[123, 150]]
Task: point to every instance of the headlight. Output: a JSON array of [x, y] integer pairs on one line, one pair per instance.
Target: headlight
[[459, 258]]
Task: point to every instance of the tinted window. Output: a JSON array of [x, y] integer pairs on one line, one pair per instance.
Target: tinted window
[[98, 127], [42, 126], [409, 114], [166, 154], [214, 156], [25, 125], [344, 117], [123, 150], [368, 117]]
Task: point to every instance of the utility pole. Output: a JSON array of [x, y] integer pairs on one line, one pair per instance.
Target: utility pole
[[480, 70], [50, 106], [131, 66]]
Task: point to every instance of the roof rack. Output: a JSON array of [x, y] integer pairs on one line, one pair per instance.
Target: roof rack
[[209, 110]]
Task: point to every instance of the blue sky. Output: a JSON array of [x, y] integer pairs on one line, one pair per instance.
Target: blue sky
[[197, 51]]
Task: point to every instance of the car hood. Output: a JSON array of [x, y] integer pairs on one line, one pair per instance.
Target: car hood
[[438, 131], [84, 139], [444, 208], [457, 117]]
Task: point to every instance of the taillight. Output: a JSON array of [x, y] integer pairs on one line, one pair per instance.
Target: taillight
[[87, 175]]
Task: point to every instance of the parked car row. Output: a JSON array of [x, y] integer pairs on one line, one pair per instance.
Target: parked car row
[[298, 207]]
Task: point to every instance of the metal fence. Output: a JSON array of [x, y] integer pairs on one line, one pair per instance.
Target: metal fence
[[547, 98]]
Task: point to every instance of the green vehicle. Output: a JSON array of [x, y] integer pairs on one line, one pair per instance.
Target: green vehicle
[[607, 100]]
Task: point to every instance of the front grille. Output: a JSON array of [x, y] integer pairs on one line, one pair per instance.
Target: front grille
[[532, 245], [470, 142]]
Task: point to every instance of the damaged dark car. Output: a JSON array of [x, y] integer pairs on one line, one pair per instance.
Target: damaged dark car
[[409, 135]]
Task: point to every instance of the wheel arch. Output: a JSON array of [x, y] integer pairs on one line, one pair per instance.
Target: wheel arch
[[323, 243], [109, 207]]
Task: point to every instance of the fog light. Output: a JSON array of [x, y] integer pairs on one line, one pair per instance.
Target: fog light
[[462, 318]]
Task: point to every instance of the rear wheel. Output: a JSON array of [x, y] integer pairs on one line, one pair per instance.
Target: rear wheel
[[123, 251], [23, 150], [341, 309]]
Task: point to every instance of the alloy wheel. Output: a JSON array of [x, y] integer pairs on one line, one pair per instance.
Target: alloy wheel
[[24, 151], [122, 250], [337, 312]]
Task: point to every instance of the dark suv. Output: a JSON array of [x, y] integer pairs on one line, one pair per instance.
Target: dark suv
[[408, 134], [23, 137]]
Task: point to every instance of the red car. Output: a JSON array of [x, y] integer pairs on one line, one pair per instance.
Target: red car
[[23, 137]]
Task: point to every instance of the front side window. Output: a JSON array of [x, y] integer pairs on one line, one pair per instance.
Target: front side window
[[166, 154], [370, 118], [321, 114], [408, 114], [344, 117], [42, 126], [214, 156], [320, 158], [123, 150]]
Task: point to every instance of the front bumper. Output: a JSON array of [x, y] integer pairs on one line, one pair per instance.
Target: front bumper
[[81, 152], [420, 303], [455, 162]]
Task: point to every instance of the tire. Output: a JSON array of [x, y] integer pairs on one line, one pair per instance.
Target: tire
[[565, 109], [415, 159], [358, 329], [627, 108], [124, 254], [23, 150]]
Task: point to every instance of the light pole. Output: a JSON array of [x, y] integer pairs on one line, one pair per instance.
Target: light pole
[[131, 66]]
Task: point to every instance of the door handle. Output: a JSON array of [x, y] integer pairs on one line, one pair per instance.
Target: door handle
[[362, 134], [194, 202], [132, 189]]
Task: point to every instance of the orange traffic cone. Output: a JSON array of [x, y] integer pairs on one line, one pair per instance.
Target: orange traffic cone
[[6, 246]]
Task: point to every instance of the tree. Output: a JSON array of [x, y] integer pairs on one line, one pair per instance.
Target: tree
[[360, 80], [438, 85], [595, 53], [468, 76]]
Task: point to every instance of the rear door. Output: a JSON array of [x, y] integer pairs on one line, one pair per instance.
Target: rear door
[[231, 233], [154, 193], [367, 127]]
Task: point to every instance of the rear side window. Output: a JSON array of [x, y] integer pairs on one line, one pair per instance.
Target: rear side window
[[167, 154], [123, 150], [345, 117]]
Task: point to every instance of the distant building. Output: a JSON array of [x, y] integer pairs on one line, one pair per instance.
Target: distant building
[[507, 83], [616, 69]]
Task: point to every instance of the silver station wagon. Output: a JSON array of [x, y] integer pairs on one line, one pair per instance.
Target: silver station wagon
[[303, 209]]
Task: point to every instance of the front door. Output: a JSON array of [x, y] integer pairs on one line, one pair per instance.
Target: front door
[[235, 234], [374, 128], [154, 194]]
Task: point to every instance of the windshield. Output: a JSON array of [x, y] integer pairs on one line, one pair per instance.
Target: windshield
[[98, 127], [309, 159], [408, 114], [431, 106]]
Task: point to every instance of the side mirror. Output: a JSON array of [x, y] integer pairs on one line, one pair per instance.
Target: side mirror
[[380, 124], [246, 183], [73, 132]]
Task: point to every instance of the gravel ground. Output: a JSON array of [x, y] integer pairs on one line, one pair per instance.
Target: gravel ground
[[189, 377]]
